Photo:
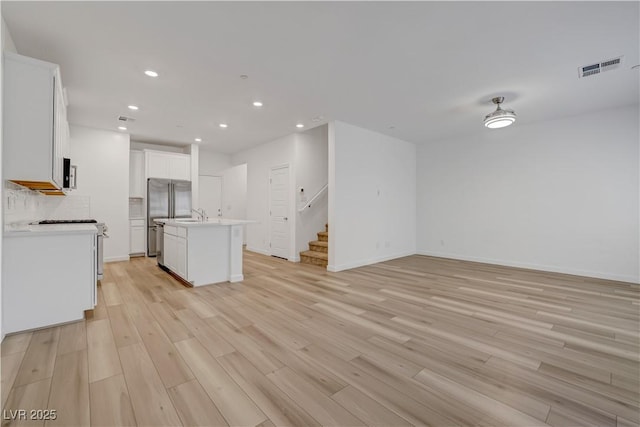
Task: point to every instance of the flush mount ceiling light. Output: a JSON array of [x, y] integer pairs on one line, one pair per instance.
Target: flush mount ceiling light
[[223, 125], [299, 125], [198, 140], [499, 118], [133, 107], [122, 128], [151, 73], [257, 104]]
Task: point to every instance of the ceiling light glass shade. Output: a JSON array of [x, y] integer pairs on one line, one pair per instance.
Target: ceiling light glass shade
[[499, 118]]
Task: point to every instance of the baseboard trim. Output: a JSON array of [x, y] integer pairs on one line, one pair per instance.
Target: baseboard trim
[[537, 267], [117, 258], [236, 278], [356, 264], [259, 251]]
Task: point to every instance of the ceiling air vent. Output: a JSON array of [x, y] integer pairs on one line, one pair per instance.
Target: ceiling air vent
[[126, 119], [600, 67]]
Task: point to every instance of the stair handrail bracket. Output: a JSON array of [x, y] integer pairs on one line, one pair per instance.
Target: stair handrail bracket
[[314, 198]]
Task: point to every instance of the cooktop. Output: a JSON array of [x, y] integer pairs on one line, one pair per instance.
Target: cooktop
[[68, 221]]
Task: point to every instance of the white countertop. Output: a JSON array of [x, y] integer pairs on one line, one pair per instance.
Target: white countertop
[[22, 229], [211, 222]]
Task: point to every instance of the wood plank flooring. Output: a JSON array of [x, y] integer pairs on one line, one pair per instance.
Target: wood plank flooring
[[413, 341]]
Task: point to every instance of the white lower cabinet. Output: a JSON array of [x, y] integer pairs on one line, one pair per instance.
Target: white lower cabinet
[[47, 279], [203, 254], [136, 236], [181, 257], [170, 251], [175, 250]]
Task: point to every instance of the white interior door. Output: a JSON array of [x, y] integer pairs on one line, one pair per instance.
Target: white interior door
[[279, 211], [210, 195]]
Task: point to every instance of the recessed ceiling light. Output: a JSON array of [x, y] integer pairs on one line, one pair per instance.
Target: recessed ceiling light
[[223, 125], [151, 73], [122, 128], [198, 139], [133, 107], [257, 104], [299, 125]]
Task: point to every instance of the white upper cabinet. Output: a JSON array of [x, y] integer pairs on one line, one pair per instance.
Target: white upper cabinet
[[180, 167], [168, 165], [35, 128], [157, 165], [136, 174]]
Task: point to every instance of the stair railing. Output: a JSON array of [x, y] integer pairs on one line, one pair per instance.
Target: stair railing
[[314, 198]]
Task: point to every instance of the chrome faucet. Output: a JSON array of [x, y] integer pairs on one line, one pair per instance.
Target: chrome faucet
[[201, 213]]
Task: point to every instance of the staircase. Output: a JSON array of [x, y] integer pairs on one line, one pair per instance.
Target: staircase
[[318, 253]]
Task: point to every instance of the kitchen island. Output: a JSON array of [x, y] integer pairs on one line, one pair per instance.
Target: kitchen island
[[203, 252]]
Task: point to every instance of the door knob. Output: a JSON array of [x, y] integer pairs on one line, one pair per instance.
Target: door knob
[[285, 218]]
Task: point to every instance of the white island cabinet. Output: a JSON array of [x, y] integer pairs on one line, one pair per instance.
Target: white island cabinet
[[48, 275], [203, 253]]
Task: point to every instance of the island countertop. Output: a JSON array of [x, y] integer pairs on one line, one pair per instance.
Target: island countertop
[[211, 222]]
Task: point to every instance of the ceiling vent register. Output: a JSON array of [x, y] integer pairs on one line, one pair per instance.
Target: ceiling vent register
[[600, 67], [126, 119]]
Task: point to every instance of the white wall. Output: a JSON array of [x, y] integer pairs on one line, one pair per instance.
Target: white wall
[[194, 151], [372, 197], [103, 174], [7, 45], [311, 161], [7, 41], [259, 162], [558, 196], [234, 192], [213, 163]]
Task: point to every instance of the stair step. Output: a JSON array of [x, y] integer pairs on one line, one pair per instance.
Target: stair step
[[319, 246], [323, 236], [314, 257]]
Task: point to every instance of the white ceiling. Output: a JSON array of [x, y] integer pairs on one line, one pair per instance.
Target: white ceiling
[[427, 69]]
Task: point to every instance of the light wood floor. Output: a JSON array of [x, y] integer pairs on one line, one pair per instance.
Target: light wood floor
[[414, 341]]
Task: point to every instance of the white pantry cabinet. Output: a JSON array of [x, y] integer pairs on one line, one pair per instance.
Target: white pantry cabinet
[[136, 174], [136, 237], [35, 128], [47, 278], [160, 164]]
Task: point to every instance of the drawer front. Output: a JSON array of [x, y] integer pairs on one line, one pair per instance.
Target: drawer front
[[136, 222], [170, 229], [182, 232]]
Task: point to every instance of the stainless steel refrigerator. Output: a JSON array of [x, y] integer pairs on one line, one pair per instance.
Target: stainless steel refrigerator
[[165, 199]]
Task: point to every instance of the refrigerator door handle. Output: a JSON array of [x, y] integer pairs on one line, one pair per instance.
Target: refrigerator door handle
[[172, 208]]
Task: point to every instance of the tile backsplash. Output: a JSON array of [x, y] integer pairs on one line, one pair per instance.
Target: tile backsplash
[[23, 205]]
